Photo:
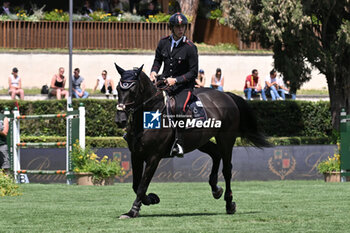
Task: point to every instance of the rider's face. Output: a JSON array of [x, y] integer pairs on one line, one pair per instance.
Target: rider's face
[[179, 31]]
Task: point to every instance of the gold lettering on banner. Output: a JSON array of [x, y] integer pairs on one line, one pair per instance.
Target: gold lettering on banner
[[43, 163], [202, 166], [312, 160], [281, 163]]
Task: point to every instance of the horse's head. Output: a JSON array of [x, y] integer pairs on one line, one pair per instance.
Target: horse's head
[[128, 89]]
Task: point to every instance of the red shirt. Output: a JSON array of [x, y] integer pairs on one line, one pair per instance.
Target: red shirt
[[253, 81]]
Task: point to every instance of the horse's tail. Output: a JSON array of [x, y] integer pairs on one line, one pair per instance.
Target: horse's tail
[[248, 125]]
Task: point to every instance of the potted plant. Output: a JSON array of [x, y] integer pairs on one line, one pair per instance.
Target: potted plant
[[90, 169], [331, 168]]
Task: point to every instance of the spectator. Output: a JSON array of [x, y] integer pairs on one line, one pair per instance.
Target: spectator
[[252, 86], [151, 9], [4, 157], [78, 85], [116, 7], [15, 85], [105, 84], [217, 80], [86, 10], [5, 9], [283, 89], [102, 5], [58, 82], [200, 80], [134, 4], [272, 86]]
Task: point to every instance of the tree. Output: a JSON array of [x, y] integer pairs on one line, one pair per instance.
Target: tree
[[302, 34], [189, 8]]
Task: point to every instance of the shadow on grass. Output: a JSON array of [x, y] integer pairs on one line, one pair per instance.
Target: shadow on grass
[[194, 214]]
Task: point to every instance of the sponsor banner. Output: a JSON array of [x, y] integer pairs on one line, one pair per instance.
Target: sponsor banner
[[249, 163]]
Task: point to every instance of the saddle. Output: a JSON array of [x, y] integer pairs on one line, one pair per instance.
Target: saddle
[[193, 108]]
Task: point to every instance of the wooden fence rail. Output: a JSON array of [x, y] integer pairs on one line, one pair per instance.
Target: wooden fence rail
[[86, 35]]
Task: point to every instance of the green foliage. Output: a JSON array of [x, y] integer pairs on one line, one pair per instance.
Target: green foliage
[[160, 17], [215, 14], [303, 35], [56, 15], [294, 118], [8, 187], [332, 164], [92, 142], [100, 16], [85, 160], [276, 118], [99, 117]]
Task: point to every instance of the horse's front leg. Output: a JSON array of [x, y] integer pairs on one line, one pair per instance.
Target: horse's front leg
[[141, 197]]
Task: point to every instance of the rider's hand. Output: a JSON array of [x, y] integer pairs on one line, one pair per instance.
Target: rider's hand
[[153, 76], [171, 81]]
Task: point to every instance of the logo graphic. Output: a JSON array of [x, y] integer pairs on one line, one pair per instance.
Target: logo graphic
[[151, 120], [179, 19], [282, 164], [125, 163]]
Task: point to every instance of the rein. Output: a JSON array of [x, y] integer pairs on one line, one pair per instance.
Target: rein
[[134, 109]]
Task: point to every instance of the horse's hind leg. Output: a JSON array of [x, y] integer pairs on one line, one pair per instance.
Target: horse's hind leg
[[225, 147], [212, 150]]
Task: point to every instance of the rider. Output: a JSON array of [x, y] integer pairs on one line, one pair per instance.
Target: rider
[[180, 59]]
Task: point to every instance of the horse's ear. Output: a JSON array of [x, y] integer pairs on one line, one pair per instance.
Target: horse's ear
[[120, 70], [139, 70]]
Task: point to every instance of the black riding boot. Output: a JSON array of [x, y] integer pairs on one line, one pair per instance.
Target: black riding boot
[[177, 148]]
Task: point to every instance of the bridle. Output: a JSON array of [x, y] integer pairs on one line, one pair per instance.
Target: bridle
[[127, 84]]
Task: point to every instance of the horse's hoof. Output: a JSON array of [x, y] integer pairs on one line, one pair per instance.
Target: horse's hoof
[[231, 208], [150, 199], [154, 198], [124, 216], [218, 193], [130, 214]]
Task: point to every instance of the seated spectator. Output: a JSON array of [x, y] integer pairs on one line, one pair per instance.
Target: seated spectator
[[102, 5], [116, 7], [272, 86], [200, 80], [217, 80], [283, 89], [151, 9], [86, 10], [5, 9], [252, 86], [58, 82], [105, 84], [15, 85], [78, 85]]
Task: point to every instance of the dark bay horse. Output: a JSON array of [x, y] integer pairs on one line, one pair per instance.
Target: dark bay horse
[[137, 94]]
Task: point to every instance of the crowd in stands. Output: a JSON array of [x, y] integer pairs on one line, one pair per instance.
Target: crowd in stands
[[272, 86]]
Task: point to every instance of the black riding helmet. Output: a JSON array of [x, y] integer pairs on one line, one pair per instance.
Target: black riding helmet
[[177, 19]]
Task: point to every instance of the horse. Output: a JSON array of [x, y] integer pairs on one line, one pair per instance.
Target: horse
[[138, 94]]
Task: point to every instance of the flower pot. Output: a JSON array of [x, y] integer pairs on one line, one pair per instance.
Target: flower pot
[[86, 178], [332, 177]]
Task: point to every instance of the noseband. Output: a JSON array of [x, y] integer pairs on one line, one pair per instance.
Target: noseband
[[127, 84]]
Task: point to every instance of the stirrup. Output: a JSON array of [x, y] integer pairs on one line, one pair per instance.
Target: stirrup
[[177, 150]]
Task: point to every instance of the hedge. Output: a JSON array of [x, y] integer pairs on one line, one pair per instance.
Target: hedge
[[276, 118], [119, 142]]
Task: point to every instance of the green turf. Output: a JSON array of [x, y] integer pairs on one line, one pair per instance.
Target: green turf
[[275, 206]]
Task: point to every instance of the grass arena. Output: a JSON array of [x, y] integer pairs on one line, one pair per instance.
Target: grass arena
[[272, 206]]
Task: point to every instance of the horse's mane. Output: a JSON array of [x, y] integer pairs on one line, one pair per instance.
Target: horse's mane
[[146, 82]]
